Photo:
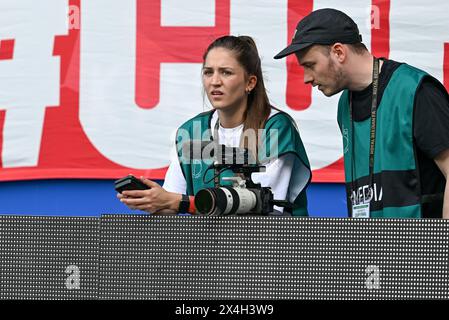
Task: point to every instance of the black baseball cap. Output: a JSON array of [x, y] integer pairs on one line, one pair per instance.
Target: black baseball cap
[[323, 26]]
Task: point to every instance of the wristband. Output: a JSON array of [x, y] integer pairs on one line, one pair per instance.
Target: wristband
[[192, 205], [184, 204]]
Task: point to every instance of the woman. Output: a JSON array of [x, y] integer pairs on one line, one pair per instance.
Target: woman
[[233, 81]]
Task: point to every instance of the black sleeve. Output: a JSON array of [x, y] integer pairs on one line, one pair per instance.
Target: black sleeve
[[431, 118]]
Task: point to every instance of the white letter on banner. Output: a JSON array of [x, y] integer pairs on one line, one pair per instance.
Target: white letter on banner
[[122, 131], [267, 23], [173, 13], [30, 81], [418, 31]]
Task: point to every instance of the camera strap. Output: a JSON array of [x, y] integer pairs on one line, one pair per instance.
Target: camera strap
[[216, 171]]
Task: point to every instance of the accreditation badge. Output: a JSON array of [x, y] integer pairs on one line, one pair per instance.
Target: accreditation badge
[[360, 210], [361, 207]]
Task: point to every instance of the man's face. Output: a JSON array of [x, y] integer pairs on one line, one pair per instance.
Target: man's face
[[321, 70]]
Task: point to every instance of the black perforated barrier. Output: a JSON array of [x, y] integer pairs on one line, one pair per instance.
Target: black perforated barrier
[[48, 257], [149, 257], [273, 258]]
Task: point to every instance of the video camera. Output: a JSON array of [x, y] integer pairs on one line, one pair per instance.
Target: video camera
[[244, 196]]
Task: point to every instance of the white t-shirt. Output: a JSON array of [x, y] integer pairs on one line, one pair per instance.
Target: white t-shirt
[[278, 173]]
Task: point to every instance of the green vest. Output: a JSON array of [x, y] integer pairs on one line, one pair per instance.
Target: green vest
[[198, 176], [396, 184]]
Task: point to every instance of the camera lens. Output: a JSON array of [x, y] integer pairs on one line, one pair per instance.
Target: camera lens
[[205, 201], [225, 201], [213, 201]]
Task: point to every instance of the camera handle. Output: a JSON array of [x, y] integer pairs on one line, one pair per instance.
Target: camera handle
[[283, 203], [237, 182]]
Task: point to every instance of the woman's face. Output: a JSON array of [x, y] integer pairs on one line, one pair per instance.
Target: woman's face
[[225, 81]]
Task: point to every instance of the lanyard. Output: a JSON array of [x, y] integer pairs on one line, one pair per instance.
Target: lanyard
[[372, 135]]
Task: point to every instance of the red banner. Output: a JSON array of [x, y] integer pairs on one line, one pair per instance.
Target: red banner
[[96, 89]]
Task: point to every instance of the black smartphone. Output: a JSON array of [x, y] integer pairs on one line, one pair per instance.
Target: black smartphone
[[129, 183]]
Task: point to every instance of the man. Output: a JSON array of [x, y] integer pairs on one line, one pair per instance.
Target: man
[[394, 119]]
